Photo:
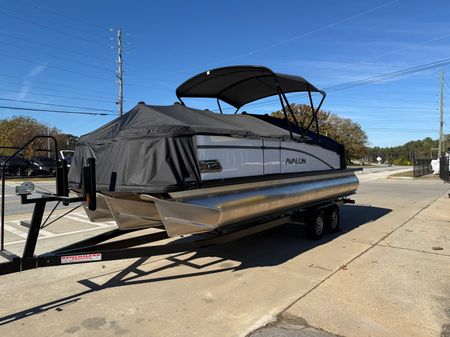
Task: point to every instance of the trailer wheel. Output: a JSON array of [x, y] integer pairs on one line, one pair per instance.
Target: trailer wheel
[[316, 225], [332, 223]]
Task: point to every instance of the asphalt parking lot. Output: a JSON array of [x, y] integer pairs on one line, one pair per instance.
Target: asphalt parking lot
[[385, 274]]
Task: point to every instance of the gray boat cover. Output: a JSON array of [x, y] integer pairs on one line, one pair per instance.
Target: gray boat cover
[[151, 148]]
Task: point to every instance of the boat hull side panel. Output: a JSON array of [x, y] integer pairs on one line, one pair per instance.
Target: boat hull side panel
[[241, 157], [238, 157]]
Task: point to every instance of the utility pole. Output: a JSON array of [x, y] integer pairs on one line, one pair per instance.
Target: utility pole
[[441, 108], [48, 142], [120, 72]]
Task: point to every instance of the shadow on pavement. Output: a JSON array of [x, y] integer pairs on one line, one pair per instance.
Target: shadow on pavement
[[269, 248]]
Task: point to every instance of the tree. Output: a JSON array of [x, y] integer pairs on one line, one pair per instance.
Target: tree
[[343, 130], [16, 131], [404, 154]]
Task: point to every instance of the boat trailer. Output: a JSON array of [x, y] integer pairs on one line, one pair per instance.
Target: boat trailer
[[101, 248]]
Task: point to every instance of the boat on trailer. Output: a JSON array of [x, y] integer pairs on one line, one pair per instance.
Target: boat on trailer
[[200, 171]]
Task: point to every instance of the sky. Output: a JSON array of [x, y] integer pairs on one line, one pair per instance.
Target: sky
[[65, 53]]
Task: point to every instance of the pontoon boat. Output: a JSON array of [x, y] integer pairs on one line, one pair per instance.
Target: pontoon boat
[[198, 170]]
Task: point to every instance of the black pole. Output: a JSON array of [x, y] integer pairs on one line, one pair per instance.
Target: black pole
[[314, 112], [3, 207], [33, 232], [220, 108], [284, 111], [293, 115], [181, 101]]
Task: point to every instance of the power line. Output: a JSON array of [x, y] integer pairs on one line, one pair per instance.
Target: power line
[[408, 47], [61, 96], [45, 26], [59, 57], [276, 44], [54, 47], [59, 111], [60, 14], [384, 77], [52, 104], [395, 107], [59, 85], [369, 80], [324, 27], [404, 129], [56, 67]]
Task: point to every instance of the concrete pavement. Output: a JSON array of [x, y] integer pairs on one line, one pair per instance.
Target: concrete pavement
[[397, 286], [375, 278]]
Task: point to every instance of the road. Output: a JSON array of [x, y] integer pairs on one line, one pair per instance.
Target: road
[[385, 274], [13, 205], [375, 169]]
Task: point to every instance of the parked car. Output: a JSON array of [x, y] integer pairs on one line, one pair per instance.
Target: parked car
[[17, 166], [42, 166]]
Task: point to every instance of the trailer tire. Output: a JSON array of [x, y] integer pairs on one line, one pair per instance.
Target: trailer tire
[[332, 219], [316, 225]]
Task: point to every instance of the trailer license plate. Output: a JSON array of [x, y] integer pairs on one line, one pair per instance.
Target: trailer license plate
[[81, 258]]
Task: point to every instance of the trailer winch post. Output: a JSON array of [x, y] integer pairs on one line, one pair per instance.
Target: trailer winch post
[[28, 259], [3, 166]]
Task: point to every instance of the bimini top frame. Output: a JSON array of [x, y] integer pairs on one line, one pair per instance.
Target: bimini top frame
[[240, 85]]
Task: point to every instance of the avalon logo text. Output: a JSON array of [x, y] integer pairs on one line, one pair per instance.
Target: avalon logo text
[[295, 161]]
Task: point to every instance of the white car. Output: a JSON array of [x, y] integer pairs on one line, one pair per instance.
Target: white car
[[435, 165]]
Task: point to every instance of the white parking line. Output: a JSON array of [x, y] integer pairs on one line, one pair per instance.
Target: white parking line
[[55, 235], [12, 184], [15, 231], [46, 233], [23, 234], [80, 218]]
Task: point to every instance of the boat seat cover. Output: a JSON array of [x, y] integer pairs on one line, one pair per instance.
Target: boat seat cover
[[155, 165]]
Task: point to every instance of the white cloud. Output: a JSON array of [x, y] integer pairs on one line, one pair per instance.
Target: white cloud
[[37, 70], [27, 83], [24, 90]]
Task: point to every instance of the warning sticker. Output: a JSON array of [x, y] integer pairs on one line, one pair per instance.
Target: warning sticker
[[81, 258]]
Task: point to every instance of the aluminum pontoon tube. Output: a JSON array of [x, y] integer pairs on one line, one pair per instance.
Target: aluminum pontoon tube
[[207, 209], [129, 213]]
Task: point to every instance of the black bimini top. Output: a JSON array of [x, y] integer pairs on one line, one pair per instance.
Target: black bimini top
[[239, 85]]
